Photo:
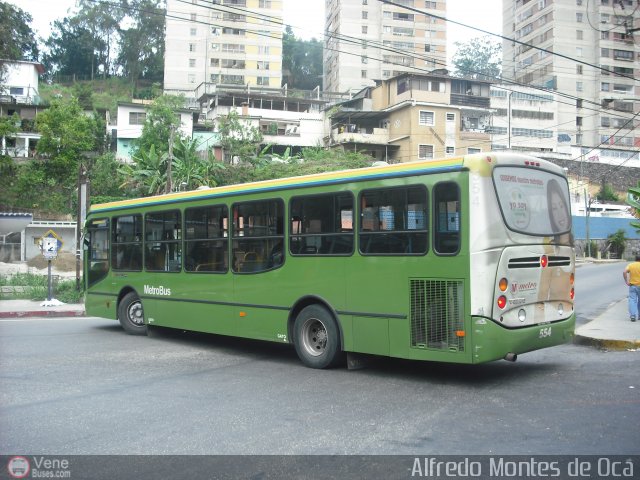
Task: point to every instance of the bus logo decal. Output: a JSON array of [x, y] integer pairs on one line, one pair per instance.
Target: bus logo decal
[[523, 287], [151, 290]]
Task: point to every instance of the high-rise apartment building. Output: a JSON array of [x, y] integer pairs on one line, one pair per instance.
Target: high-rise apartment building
[[367, 40], [222, 42], [587, 53]]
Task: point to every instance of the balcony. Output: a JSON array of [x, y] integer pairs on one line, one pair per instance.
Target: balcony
[[353, 134]]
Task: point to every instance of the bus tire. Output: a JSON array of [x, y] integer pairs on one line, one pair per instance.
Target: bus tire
[[316, 337], [131, 314]]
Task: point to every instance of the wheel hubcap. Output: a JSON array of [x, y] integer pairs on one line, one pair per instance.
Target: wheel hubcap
[[314, 337], [135, 313]]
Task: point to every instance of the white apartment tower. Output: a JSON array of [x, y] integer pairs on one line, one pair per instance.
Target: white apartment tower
[[592, 70], [368, 40], [222, 42]]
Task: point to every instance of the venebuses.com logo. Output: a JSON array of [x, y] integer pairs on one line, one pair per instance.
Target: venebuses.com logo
[[38, 467], [18, 467]]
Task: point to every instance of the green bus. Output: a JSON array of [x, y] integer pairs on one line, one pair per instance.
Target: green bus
[[466, 259]]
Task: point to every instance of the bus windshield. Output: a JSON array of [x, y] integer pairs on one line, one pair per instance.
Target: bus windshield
[[533, 202]]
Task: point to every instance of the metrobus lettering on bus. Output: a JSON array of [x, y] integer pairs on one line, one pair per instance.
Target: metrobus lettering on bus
[[445, 260]]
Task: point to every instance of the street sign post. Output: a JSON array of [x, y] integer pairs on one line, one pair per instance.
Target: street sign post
[[50, 252]]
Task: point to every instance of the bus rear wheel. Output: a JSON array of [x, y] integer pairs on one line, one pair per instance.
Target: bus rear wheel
[[131, 315], [316, 337]]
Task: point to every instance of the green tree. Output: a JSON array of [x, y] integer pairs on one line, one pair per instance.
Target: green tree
[[17, 39], [66, 131], [607, 194], [616, 243], [238, 138], [160, 119], [147, 175], [479, 58], [141, 45], [103, 20], [189, 170], [106, 179], [301, 61], [71, 49]]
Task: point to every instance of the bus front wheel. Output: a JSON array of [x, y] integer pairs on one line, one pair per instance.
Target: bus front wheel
[[131, 314], [316, 337]]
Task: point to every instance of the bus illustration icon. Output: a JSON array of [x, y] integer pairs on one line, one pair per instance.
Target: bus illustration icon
[[18, 467]]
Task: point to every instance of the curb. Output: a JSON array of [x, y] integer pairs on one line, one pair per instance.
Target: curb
[[43, 314], [606, 344]]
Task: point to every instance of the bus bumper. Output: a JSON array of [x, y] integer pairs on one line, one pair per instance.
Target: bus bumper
[[494, 342]]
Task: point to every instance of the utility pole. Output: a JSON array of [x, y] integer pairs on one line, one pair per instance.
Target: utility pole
[[170, 160]]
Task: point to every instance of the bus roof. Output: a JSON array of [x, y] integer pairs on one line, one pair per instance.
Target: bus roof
[[467, 162]]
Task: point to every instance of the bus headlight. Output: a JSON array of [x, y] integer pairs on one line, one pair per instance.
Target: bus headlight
[[522, 315]]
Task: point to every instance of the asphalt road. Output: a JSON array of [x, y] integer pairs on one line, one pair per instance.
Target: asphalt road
[[82, 386]]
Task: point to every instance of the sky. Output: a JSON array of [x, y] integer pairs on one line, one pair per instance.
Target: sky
[[307, 17]]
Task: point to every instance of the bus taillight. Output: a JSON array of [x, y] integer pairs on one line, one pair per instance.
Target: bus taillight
[[544, 261], [502, 301], [571, 279], [572, 294]]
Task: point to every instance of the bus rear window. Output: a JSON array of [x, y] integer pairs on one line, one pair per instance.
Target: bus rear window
[[534, 202]]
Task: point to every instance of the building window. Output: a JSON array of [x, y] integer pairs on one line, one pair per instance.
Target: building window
[[193, 32], [192, 47], [137, 118], [579, 69], [473, 150], [363, 74], [451, 117], [425, 152], [578, 121], [192, 78], [264, 4], [364, 59], [192, 62], [365, 15], [365, 29], [264, 81], [579, 86], [426, 118], [605, 87], [579, 34], [193, 17], [449, 150], [263, 65], [579, 17], [578, 51]]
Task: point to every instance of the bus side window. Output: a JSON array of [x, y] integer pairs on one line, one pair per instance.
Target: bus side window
[[257, 234], [126, 245], [393, 221], [446, 204], [206, 239], [321, 224], [98, 250]]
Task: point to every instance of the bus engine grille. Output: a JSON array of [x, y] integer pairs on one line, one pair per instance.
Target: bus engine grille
[[437, 314]]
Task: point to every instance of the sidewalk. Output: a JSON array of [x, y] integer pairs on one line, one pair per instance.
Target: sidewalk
[[32, 308], [612, 330]]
